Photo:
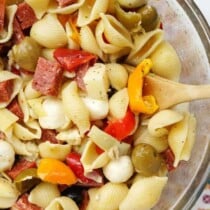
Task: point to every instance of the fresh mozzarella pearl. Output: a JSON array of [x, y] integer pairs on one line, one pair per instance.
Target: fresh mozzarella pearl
[[98, 108], [7, 156], [55, 117], [119, 170]]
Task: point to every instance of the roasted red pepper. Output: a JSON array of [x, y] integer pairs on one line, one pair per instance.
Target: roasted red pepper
[[121, 128], [71, 59], [73, 161]]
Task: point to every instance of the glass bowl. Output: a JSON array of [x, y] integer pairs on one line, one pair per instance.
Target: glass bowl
[[188, 32]]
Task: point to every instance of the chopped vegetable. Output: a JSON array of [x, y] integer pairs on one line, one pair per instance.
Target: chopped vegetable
[[146, 160], [26, 53], [137, 102], [55, 171], [73, 161], [149, 17], [26, 180], [121, 128]]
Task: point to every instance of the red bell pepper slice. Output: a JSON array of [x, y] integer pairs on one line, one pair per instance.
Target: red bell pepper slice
[[71, 59], [122, 128], [73, 161]]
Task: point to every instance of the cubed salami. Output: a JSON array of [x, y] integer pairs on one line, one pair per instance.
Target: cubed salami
[[15, 108], [20, 166], [25, 15], [47, 77], [2, 13], [64, 3], [24, 204], [49, 135], [18, 34], [6, 89]]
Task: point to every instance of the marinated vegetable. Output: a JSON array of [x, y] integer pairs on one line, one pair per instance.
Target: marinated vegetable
[[149, 17], [26, 54], [145, 159]]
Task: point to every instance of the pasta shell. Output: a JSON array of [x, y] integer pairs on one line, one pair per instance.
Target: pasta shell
[[142, 135], [32, 131], [88, 42], [186, 152], [118, 75], [56, 151], [54, 8], [90, 159], [159, 122], [166, 62], [118, 104], [108, 197], [8, 193], [115, 32], [97, 82], [90, 11], [144, 45], [28, 149], [7, 119], [70, 136], [148, 189], [76, 111], [10, 14], [30, 92], [43, 194], [63, 202], [104, 46], [107, 142], [177, 138], [38, 6], [48, 31]]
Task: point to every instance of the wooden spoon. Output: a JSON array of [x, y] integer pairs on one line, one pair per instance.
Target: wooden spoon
[[169, 93]]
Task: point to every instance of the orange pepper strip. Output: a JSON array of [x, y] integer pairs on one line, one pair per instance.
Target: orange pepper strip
[[137, 102], [75, 33], [55, 171]]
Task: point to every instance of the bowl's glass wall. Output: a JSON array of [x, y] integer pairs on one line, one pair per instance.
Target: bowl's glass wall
[[185, 32]]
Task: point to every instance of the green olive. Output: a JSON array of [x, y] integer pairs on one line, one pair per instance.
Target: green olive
[[149, 17], [26, 180], [26, 53], [130, 19], [146, 160]]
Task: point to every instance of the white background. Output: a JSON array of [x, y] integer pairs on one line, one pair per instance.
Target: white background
[[204, 6]]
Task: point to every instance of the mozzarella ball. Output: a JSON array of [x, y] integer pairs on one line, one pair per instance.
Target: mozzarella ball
[[55, 117], [119, 170], [7, 156]]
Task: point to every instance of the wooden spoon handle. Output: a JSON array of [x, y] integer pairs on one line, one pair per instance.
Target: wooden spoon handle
[[194, 92]]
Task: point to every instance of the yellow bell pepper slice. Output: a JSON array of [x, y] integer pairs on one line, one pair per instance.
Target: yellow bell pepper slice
[[55, 171], [137, 102]]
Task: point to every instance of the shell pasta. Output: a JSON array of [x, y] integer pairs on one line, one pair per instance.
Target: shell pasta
[[76, 128]]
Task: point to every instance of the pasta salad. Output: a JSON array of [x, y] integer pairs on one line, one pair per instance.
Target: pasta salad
[[77, 130]]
